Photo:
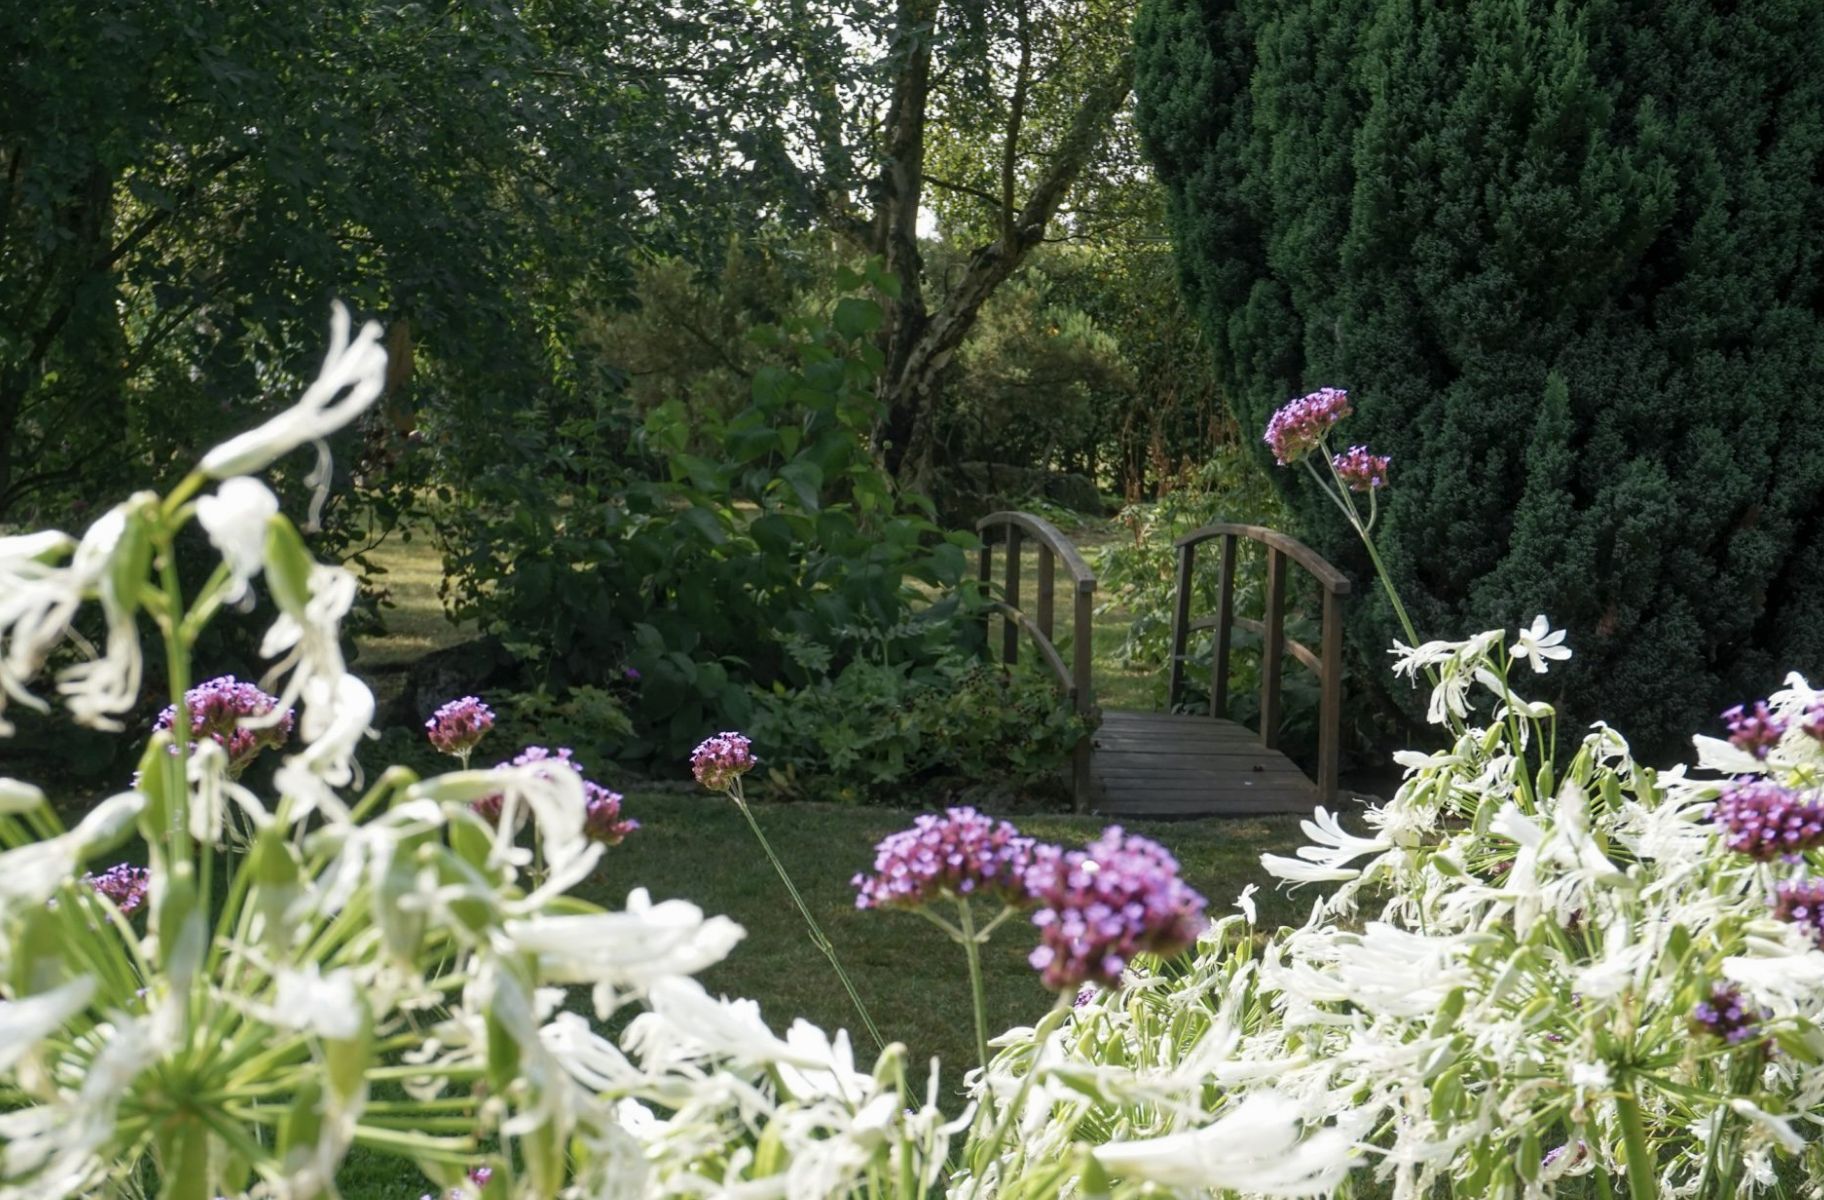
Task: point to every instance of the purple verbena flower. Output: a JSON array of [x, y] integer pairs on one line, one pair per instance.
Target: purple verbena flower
[[962, 853], [1565, 1158], [1118, 897], [489, 807], [1297, 428], [219, 709], [631, 674], [1755, 730], [720, 760], [124, 884], [602, 820], [1801, 901], [1361, 471], [1766, 821], [457, 726], [1726, 1015]]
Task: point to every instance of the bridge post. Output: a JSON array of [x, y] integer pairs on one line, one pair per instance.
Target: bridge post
[[984, 575], [1010, 593], [1181, 626], [1330, 706], [1273, 648], [1083, 690], [1225, 619], [1047, 589]]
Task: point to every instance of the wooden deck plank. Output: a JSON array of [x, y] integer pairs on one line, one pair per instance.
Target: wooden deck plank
[[1178, 765]]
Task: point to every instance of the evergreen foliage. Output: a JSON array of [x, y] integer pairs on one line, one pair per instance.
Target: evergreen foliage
[[1567, 258]]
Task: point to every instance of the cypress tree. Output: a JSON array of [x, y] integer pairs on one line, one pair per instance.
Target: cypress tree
[[1567, 258]]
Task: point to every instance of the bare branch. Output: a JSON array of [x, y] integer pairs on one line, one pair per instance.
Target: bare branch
[[1016, 116], [963, 189]]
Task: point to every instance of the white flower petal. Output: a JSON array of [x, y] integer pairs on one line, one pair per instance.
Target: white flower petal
[[25, 1023], [353, 374], [235, 519]]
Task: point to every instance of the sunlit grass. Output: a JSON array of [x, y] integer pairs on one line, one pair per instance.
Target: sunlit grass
[[910, 976]]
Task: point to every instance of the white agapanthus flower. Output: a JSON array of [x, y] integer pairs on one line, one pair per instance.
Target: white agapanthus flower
[[26, 1022], [235, 518], [328, 1005], [631, 950], [307, 636], [37, 600], [1540, 644], [18, 796], [353, 374], [337, 714], [32, 873], [1261, 1148], [96, 690]]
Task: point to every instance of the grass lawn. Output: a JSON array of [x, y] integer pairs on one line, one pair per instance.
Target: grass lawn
[[909, 974], [697, 847]]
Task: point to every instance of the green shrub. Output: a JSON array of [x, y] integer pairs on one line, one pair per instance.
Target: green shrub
[[707, 552], [1567, 260], [901, 733]]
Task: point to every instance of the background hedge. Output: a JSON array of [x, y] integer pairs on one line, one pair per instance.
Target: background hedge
[[1567, 258]]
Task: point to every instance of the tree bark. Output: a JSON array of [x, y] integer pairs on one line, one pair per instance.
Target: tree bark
[[919, 343]]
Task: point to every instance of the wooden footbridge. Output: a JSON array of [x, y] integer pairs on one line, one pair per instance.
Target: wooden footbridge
[[1153, 764]]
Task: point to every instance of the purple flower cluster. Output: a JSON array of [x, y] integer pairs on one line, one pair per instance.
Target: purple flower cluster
[[124, 884], [457, 726], [1801, 901], [720, 760], [602, 819], [1118, 897], [961, 853], [1361, 471], [1755, 730], [1726, 1015], [1766, 821], [1813, 721], [1300, 425], [218, 707]]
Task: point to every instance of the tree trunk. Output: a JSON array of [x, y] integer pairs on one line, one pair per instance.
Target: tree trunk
[[919, 343]]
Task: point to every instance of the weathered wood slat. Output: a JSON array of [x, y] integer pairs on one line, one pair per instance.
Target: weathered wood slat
[[1175, 739], [1229, 771], [1180, 765]]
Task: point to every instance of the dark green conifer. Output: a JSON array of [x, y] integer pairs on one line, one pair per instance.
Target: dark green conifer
[[1569, 260]]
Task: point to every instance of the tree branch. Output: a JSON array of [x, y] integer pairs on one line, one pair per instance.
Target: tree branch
[[920, 364], [1016, 116], [897, 190], [963, 189]]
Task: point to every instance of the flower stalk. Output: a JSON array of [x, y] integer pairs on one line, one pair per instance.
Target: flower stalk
[[819, 939]]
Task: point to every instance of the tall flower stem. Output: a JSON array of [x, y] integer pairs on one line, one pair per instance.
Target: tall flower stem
[[1041, 1036], [1642, 1185], [972, 950], [1339, 496], [818, 938]]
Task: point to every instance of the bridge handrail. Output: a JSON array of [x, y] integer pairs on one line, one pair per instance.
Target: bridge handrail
[[1048, 535], [1318, 566], [1327, 665], [1014, 529]]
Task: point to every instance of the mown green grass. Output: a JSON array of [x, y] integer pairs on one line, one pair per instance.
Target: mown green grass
[[409, 572], [911, 977]]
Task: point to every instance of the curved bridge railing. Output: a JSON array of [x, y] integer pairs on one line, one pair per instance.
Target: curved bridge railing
[[1327, 663], [1012, 530]]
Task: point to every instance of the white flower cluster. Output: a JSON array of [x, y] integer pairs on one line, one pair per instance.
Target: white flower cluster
[[228, 1041], [1516, 983]]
